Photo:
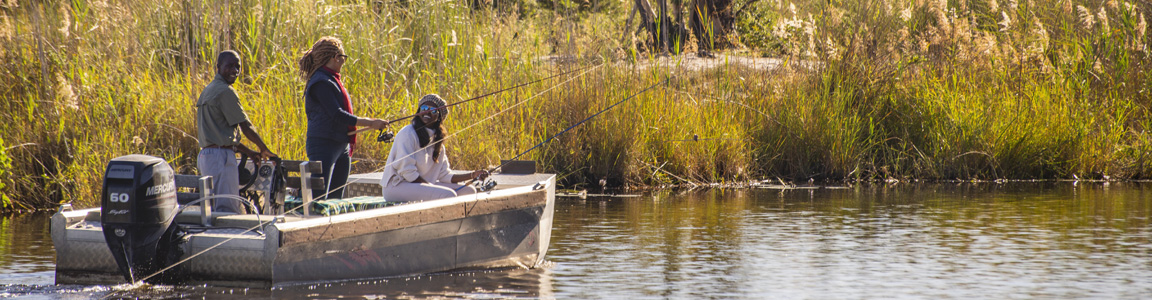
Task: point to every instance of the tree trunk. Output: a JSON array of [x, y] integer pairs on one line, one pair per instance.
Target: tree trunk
[[667, 36], [664, 29], [712, 22]]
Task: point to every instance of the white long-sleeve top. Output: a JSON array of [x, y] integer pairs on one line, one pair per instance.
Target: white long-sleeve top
[[404, 166]]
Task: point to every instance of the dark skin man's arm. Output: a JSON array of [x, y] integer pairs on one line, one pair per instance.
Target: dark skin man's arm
[[241, 148], [250, 133]]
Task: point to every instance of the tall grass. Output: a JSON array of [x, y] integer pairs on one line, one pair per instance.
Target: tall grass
[[961, 89]]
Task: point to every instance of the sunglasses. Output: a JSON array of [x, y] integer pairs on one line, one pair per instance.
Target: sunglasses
[[435, 111]]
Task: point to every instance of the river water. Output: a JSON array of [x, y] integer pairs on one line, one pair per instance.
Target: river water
[[1047, 240]]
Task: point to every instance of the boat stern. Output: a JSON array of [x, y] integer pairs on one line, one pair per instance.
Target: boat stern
[[82, 256]]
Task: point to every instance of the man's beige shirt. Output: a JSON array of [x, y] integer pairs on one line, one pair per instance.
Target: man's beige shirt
[[218, 112]]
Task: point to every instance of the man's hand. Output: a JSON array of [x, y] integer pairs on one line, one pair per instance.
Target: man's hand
[[267, 154], [250, 132], [252, 154]]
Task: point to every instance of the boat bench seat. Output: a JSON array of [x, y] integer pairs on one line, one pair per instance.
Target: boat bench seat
[[191, 215], [249, 221]]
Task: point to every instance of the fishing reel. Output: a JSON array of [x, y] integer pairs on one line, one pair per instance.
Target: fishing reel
[[486, 185], [385, 136]]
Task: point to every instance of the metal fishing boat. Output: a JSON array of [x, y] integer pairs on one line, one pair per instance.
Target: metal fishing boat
[[157, 226]]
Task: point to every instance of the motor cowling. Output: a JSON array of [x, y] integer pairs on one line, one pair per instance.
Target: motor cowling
[[137, 206]]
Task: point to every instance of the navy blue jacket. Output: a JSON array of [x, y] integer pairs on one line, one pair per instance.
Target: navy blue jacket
[[322, 103]]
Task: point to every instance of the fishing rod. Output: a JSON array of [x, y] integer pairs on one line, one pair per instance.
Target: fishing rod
[[491, 184], [386, 137]]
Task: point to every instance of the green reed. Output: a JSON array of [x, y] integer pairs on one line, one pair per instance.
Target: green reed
[[868, 90], [974, 89]]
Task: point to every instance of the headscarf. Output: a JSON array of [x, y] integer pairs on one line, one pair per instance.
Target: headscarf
[[435, 101]]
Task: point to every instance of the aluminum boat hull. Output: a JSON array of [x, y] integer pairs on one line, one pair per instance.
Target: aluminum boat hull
[[507, 227]]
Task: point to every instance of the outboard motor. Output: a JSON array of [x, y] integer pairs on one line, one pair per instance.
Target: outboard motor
[[137, 206]]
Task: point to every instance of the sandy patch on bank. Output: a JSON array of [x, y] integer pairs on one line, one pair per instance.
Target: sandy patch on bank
[[690, 62]]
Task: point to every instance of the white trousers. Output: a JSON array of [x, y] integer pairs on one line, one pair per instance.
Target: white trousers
[[407, 191], [221, 165]]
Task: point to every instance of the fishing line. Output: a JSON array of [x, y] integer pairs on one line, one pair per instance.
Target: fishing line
[[261, 224], [549, 139], [718, 99], [510, 107], [506, 109], [476, 98], [696, 138], [586, 69]]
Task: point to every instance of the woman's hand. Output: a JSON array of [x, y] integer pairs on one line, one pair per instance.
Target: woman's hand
[[474, 175], [479, 174], [372, 123], [378, 124]]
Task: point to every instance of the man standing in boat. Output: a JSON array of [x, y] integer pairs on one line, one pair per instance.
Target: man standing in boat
[[219, 119]]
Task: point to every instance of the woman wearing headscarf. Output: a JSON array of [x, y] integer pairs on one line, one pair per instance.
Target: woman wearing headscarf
[[330, 114], [418, 167]]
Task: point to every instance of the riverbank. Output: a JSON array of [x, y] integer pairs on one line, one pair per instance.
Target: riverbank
[[893, 95]]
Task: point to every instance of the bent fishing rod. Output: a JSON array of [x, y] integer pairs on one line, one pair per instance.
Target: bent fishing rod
[[475, 98], [490, 184]]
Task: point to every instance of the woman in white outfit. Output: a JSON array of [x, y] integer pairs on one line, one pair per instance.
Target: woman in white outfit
[[417, 167]]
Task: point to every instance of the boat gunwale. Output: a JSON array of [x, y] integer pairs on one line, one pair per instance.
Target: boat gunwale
[[346, 225], [406, 207], [73, 216]]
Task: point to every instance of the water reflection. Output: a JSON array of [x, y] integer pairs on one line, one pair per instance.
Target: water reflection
[[491, 284], [949, 241], [25, 247], [494, 284], [1020, 240]]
